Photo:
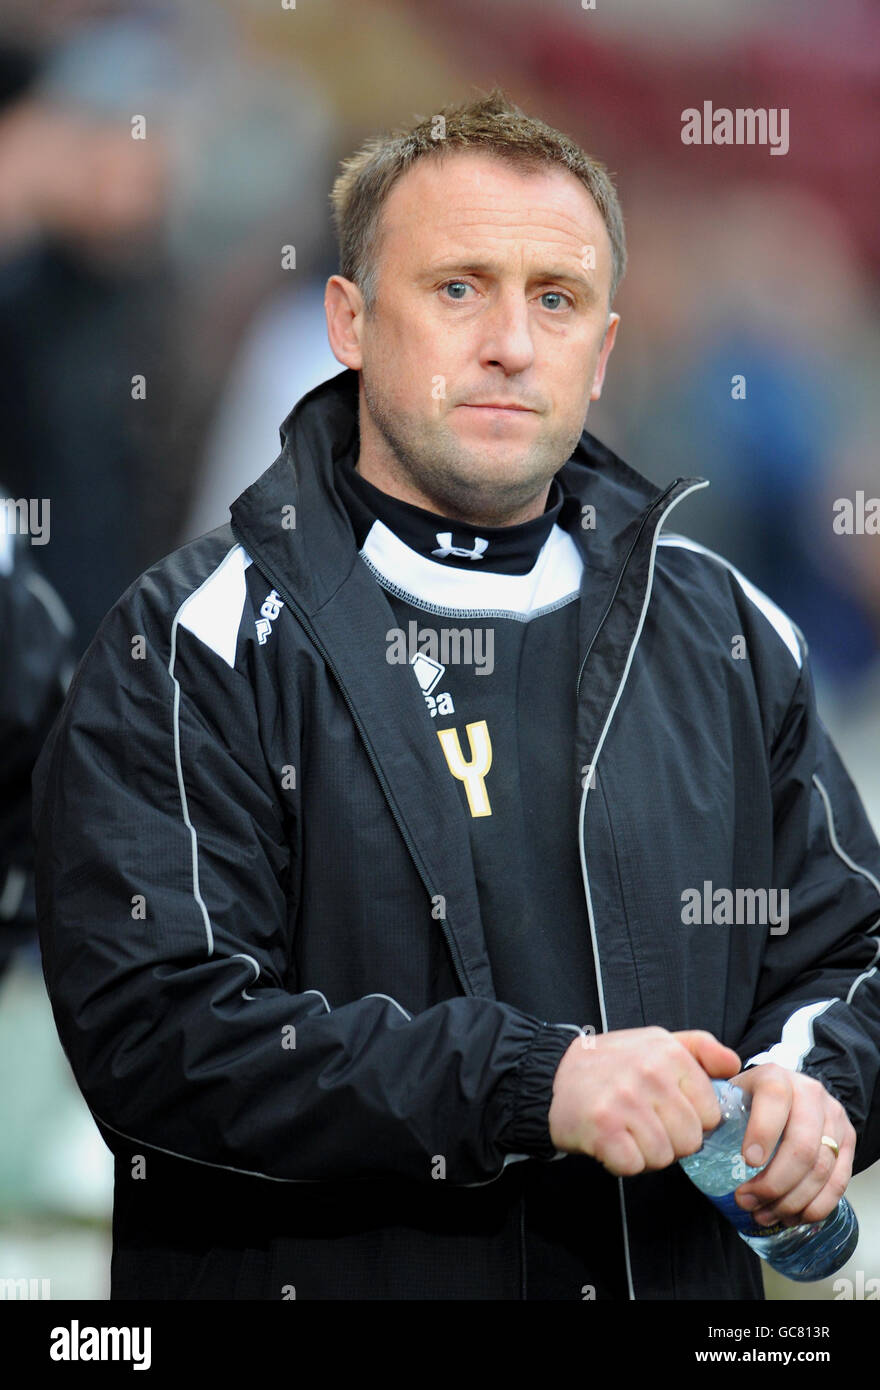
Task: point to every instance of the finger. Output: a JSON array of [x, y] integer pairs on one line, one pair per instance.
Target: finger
[[789, 1206], [619, 1154], [695, 1089], [629, 1138], [652, 1138], [772, 1108], [681, 1121], [825, 1202], [797, 1155], [818, 1195], [713, 1056]]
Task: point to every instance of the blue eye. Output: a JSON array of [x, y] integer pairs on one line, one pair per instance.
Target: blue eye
[[452, 285]]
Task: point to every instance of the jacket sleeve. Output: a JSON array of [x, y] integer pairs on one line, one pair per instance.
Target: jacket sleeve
[[818, 1005], [168, 939]]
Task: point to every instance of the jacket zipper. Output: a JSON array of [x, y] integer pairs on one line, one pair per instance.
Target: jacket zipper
[[581, 841]]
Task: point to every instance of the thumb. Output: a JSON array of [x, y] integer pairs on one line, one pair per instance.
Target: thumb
[[712, 1055]]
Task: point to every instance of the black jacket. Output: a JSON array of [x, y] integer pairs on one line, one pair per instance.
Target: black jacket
[[260, 925]]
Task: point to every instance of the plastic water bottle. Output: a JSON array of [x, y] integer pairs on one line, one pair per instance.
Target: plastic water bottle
[[810, 1251]]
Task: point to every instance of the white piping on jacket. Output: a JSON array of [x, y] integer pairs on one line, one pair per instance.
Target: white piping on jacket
[[407, 1016], [241, 955], [835, 843], [794, 1046], [194, 844], [856, 868], [776, 616], [320, 996], [797, 1037], [695, 487]]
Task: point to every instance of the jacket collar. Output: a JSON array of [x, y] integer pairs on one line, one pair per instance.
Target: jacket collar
[[605, 506]]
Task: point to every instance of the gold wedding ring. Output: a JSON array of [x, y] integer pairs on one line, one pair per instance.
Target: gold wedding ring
[[832, 1144]]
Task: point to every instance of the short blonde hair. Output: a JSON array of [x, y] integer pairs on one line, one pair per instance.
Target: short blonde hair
[[492, 123]]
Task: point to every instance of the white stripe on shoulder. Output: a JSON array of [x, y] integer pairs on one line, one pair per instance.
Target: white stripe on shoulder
[[797, 1037], [213, 612], [204, 614], [772, 612]]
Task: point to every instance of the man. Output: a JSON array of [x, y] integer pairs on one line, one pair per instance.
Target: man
[[366, 831]]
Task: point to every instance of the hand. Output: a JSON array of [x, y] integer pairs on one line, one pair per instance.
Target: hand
[[804, 1181], [638, 1098]]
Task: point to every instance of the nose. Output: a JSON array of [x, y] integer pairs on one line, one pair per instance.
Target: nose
[[506, 334]]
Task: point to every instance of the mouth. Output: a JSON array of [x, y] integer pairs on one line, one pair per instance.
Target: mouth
[[494, 409]]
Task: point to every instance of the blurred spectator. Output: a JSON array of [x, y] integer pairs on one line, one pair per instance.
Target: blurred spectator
[[285, 353], [130, 266], [737, 360], [35, 635]]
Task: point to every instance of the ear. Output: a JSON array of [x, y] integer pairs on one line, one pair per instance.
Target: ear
[[604, 354], [344, 307]]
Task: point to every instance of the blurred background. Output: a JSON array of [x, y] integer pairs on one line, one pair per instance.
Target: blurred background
[[152, 341]]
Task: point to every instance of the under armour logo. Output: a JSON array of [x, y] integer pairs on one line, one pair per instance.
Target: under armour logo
[[444, 540]]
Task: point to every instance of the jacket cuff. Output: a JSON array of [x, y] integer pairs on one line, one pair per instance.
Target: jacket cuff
[[528, 1131]]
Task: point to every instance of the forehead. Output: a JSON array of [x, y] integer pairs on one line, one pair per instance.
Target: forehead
[[465, 199]]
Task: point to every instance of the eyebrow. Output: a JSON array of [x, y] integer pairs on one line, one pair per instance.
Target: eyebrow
[[466, 267]]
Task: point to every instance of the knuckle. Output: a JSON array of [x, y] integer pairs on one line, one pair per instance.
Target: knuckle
[[789, 1206], [603, 1118], [813, 1212], [803, 1152], [626, 1096], [766, 1191], [772, 1070], [777, 1086], [692, 1143]]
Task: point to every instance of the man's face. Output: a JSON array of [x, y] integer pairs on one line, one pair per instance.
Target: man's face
[[486, 294]]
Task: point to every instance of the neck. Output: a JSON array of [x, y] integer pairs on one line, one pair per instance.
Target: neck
[[392, 482]]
